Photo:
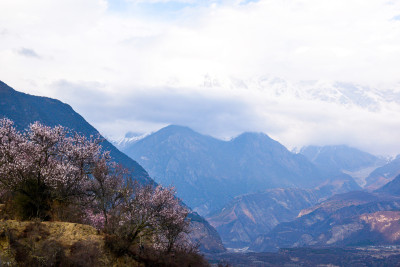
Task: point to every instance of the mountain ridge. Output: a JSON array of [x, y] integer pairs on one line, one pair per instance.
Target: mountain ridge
[[208, 172], [25, 109], [349, 219]]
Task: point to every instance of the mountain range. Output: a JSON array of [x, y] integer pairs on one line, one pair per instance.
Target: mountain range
[[246, 217], [342, 93], [208, 172]]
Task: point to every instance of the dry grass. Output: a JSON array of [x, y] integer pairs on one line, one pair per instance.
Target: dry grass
[[79, 242]]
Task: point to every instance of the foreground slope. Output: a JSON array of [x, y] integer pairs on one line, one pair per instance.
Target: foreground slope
[[208, 172], [48, 244]]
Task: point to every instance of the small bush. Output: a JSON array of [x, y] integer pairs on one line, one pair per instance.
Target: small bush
[[32, 248], [117, 246], [149, 256], [84, 253], [32, 200]]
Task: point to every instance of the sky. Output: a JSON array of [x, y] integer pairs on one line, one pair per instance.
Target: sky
[[305, 72]]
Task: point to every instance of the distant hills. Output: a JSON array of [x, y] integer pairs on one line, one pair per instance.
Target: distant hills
[[209, 172], [246, 217], [243, 220], [340, 157], [392, 188], [383, 174], [351, 219]]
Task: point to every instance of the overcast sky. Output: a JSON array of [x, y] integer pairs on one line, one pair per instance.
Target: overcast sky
[[220, 67]]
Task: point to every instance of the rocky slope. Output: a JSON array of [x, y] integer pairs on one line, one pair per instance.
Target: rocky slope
[[70, 244], [383, 174], [354, 218], [205, 235], [246, 217], [52, 244], [208, 172], [392, 188]]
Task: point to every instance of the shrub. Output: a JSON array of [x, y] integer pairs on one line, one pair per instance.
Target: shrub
[[32, 248], [84, 254]]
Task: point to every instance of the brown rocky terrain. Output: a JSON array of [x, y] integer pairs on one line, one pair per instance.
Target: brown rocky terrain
[[351, 219], [246, 217]]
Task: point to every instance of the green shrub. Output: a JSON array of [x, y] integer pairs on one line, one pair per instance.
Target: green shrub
[[32, 200]]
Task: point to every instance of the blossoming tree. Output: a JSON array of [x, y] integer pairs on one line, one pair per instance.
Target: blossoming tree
[[46, 171]]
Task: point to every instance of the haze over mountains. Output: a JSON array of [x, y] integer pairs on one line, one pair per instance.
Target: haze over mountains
[[340, 158]]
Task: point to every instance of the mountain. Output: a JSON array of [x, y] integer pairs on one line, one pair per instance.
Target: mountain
[[127, 140], [208, 172], [339, 158], [352, 219], [384, 174], [246, 217], [393, 187], [342, 158], [24, 109]]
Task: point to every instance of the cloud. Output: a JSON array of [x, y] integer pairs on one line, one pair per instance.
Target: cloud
[[295, 118], [26, 52], [397, 17], [137, 66], [153, 108], [301, 40]]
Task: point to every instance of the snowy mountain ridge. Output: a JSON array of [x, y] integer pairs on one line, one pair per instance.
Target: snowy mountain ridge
[[343, 93]]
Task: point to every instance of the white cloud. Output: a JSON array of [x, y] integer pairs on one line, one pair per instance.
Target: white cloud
[[94, 57], [27, 52]]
